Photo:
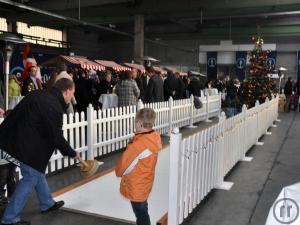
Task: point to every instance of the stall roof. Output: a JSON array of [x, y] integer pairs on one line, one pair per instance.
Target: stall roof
[[173, 70], [159, 70], [79, 61], [112, 64], [197, 73], [136, 66]]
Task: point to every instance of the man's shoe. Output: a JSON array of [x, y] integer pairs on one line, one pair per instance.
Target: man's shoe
[[56, 206], [18, 223]]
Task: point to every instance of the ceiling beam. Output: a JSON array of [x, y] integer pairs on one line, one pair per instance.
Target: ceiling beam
[[58, 5], [118, 14]]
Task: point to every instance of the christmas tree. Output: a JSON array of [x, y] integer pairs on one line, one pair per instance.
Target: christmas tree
[[258, 86]]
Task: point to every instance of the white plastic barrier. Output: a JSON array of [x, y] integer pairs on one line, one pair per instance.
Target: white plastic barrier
[[105, 131], [200, 162]]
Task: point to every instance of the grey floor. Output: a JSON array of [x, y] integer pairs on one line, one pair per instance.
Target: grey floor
[[256, 184]]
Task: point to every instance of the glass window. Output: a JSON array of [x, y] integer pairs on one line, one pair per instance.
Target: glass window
[[3, 24], [40, 35]]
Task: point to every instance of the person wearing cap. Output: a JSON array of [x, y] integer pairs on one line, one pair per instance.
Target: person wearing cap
[[30, 134]]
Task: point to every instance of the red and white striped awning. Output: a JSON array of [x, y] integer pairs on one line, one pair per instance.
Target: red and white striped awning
[[112, 65], [83, 62], [173, 70], [136, 66], [159, 70]]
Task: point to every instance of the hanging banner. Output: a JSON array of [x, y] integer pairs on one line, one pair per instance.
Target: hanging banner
[[271, 61], [240, 65], [17, 67], [212, 66], [298, 66]]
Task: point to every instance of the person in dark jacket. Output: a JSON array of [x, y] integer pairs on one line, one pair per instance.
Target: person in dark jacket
[[83, 92], [170, 86], [136, 75], [155, 88], [297, 92], [144, 79], [30, 134], [106, 86], [181, 88], [31, 83], [288, 91], [194, 86]]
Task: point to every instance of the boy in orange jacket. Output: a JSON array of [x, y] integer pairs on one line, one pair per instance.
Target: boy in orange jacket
[[137, 164]]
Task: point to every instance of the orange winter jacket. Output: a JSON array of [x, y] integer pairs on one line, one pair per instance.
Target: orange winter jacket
[[137, 164]]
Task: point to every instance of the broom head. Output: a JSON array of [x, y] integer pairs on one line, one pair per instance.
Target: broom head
[[89, 167]]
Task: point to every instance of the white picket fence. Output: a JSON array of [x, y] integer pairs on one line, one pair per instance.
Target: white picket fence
[[109, 130], [200, 162]]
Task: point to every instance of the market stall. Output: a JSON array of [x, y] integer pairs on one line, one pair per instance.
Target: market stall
[[112, 65], [74, 61], [138, 67]]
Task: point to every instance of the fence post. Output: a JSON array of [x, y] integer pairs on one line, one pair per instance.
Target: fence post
[[207, 109], [244, 157], [175, 147], [221, 184], [220, 103], [170, 115], [192, 112], [257, 124], [276, 108], [90, 132], [140, 105], [269, 104]]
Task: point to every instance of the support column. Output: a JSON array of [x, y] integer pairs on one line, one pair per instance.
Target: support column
[[11, 26], [138, 38]]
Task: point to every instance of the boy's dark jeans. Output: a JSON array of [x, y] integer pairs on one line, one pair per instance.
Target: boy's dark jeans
[[140, 210], [8, 178]]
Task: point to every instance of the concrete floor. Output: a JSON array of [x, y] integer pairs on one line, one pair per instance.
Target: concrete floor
[[256, 184]]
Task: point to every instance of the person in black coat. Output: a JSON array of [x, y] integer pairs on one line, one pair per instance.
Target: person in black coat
[[30, 134], [181, 88], [170, 86], [31, 83], [155, 88], [297, 92], [106, 86], [288, 91], [194, 86], [83, 92]]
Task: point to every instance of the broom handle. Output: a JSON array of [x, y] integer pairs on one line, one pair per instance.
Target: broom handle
[[83, 162]]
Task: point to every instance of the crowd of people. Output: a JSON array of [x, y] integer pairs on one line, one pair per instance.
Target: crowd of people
[[130, 86]]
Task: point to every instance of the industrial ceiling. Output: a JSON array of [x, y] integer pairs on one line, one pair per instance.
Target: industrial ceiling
[[164, 20]]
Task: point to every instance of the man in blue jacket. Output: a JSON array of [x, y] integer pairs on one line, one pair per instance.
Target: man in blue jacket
[[30, 134]]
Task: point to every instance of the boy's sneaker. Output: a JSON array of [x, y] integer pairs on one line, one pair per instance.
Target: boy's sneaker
[[56, 206], [18, 223]]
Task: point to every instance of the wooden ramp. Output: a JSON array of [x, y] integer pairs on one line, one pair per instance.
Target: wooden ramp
[[100, 196]]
